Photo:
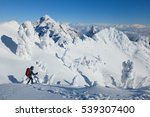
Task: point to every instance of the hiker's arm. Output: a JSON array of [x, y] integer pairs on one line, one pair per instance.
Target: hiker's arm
[[34, 73]]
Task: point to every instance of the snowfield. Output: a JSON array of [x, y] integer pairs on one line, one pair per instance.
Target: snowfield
[[47, 92], [74, 61]]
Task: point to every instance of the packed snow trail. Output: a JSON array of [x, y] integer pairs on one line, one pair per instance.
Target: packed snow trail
[[47, 92]]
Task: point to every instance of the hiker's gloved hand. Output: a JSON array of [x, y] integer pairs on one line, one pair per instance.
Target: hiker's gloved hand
[[36, 73]]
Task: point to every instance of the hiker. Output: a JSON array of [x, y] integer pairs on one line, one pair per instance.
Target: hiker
[[30, 73]]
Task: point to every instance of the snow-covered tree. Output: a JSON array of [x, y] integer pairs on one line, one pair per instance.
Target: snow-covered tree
[[127, 74], [29, 29], [23, 48], [48, 79], [26, 36], [46, 41]]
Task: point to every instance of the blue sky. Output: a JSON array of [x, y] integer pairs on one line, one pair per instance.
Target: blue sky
[[78, 11]]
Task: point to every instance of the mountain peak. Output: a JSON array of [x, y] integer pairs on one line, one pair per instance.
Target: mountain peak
[[47, 18]]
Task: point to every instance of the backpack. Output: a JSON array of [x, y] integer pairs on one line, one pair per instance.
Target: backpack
[[28, 72]]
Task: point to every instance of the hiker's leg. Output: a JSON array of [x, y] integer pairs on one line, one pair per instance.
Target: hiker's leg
[[28, 81], [31, 80]]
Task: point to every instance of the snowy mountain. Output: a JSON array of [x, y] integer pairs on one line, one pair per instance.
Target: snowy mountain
[[62, 34], [75, 58]]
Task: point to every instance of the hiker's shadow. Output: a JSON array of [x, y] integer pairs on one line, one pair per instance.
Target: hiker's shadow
[[13, 79]]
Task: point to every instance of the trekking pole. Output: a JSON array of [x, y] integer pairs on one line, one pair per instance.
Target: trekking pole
[[36, 79]]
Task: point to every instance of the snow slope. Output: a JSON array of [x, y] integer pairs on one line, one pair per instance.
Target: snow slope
[[45, 92], [100, 56]]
